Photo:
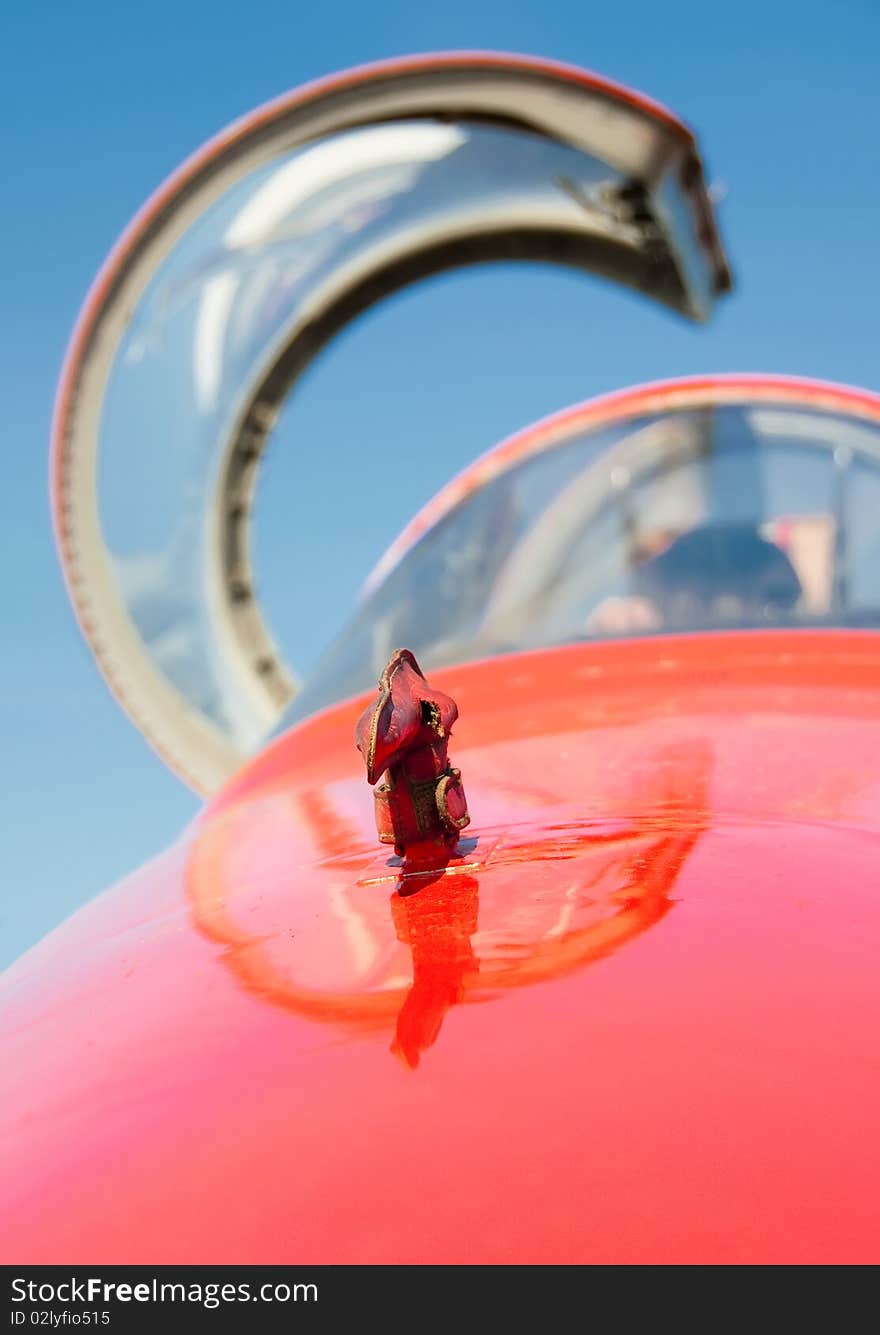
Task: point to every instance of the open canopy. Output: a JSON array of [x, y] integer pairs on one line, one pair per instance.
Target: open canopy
[[246, 262]]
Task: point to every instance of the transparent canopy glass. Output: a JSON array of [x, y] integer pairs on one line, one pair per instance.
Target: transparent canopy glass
[[259, 250], [218, 310], [709, 518]]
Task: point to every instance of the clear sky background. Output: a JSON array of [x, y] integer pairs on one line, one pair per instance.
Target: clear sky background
[[101, 101]]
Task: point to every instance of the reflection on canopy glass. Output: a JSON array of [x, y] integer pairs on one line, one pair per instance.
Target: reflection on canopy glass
[[707, 518], [256, 266]]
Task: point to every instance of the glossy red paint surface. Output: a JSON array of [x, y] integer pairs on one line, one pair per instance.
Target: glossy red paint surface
[[635, 1021]]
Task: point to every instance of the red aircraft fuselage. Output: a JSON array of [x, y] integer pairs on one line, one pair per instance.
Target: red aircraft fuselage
[[632, 1018], [258, 1048]]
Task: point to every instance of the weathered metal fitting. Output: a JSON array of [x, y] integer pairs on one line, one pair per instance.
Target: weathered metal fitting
[[404, 737]]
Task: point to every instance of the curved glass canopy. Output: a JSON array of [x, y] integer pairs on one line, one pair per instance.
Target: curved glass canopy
[[244, 265], [735, 506]]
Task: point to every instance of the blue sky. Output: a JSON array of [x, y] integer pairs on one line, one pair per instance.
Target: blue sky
[[100, 102]]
